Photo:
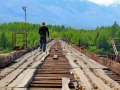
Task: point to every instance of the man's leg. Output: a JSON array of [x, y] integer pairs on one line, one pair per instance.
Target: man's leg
[[41, 43], [44, 44]]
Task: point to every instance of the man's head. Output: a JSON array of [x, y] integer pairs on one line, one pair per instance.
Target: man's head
[[43, 23]]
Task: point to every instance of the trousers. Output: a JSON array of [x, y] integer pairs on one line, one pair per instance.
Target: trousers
[[43, 43]]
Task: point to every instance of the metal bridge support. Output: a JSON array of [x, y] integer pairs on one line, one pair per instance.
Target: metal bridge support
[[14, 41]]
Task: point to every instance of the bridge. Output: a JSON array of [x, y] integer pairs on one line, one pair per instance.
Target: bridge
[[62, 67]]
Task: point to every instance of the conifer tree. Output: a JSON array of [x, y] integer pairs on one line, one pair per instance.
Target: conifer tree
[[114, 29], [3, 40]]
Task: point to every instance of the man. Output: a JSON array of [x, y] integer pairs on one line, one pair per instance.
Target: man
[[42, 32]]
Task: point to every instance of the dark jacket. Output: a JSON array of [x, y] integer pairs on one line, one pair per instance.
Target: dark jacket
[[43, 30]]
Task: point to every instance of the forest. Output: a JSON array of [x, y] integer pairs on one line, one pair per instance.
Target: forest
[[97, 41]]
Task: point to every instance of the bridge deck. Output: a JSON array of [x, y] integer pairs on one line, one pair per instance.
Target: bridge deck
[[60, 67]]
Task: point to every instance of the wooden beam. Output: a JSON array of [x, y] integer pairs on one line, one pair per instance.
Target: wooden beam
[[20, 89], [24, 83], [19, 78], [9, 78], [82, 77], [65, 83], [56, 49], [55, 57]]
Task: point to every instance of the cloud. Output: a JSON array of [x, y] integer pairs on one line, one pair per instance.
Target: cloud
[[105, 2]]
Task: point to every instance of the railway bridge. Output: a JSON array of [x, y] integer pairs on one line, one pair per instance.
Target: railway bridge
[[61, 67]]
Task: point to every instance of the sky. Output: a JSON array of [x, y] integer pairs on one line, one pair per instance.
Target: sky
[[80, 14]]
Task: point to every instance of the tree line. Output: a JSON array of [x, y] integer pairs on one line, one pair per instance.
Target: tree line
[[96, 41]]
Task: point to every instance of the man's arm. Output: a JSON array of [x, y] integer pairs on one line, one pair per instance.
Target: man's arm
[[39, 31]]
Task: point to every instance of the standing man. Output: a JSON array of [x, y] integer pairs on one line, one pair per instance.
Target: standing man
[[42, 32]]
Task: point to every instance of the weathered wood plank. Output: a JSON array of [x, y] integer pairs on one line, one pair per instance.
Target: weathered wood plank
[[55, 57], [27, 63], [39, 60], [46, 54], [82, 77], [23, 59], [56, 48], [65, 83], [18, 79], [98, 64], [101, 74], [5, 88], [5, 71], [27, 79], [40, 56], [96, 81], [35, 64], [30, 60], [20, 89], [90, 63], [86, 59], [97, 75], [9, 78], [16, 65]]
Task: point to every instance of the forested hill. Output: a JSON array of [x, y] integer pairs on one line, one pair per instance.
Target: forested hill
[[97, 41]]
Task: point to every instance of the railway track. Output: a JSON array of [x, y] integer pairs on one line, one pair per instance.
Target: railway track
[[49, 75], [61, 67]]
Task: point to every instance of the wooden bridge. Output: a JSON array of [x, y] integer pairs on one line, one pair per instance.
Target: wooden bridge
[[61, 67]]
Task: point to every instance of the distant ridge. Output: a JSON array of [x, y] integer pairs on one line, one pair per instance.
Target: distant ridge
[[76, 13]]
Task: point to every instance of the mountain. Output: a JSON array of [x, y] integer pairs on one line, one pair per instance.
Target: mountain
[[74, 13]]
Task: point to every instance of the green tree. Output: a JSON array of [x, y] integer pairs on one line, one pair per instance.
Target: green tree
[[3, 40], [114, 29]]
